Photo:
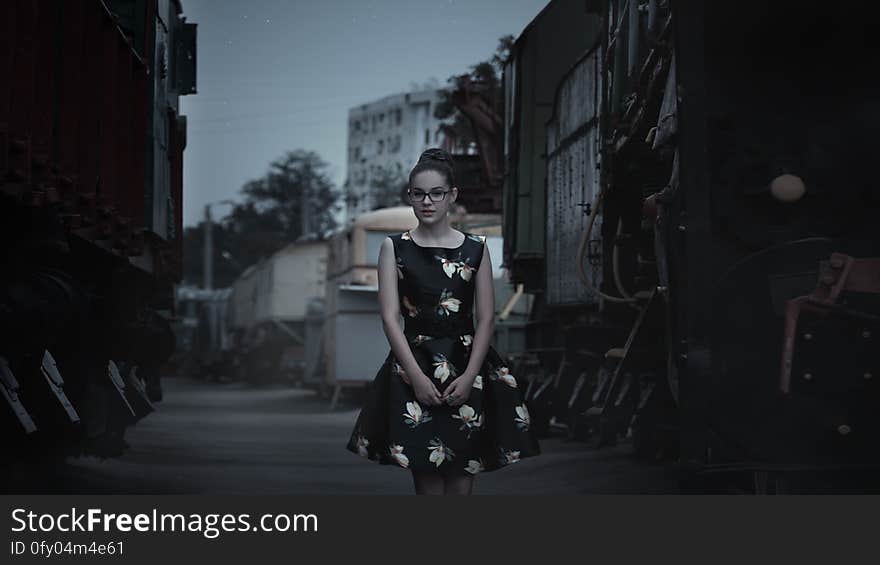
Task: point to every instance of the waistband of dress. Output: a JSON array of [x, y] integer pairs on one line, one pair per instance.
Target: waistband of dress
[[438, 326]]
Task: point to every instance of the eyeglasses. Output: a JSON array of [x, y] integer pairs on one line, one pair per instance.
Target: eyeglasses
[[417, 195]]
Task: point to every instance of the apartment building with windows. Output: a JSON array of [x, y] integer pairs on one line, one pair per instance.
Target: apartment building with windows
[[385, 139]]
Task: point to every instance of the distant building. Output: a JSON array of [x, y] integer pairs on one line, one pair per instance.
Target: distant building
[[385, 139]]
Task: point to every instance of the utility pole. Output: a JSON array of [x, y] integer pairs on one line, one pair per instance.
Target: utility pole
[[304, 216], [209, 249]]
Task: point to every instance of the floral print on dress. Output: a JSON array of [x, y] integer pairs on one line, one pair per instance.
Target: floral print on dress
[[398, 456], [443, 369], [414, 415], [450, 267], [474, 466], [448, 303], [439, 452], [465, 271], [400, 268], [477, 238], [362, 444], [478, 382], [420, 339], [522, 417], [411, 308], [470, 420], [466, 340], [503, 375], [508, 456]]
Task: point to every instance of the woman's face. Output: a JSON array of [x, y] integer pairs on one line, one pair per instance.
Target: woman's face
[[426, 209]]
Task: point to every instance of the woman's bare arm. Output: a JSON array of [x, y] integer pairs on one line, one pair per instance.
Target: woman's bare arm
[[485, 313], [389, 305]]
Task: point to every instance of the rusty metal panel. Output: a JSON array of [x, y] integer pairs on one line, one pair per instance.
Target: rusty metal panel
[[573, 181]]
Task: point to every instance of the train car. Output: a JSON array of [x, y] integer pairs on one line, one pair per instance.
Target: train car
[[710, 233], [353, 338], [91, 157], [269, 308], [542, 53]]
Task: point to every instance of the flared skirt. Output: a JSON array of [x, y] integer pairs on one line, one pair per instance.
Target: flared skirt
[[489, 430]]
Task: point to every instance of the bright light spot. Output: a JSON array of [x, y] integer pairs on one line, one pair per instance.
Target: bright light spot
[[787, 188]]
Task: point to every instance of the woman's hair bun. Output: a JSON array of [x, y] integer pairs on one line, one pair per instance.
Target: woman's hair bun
[[435, 159], [435, 154]]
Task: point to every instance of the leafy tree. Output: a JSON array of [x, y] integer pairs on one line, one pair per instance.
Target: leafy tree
[[388, 185], [295, 197], [488, 76]]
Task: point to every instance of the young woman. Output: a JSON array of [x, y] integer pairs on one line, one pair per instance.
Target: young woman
[[444, 404]]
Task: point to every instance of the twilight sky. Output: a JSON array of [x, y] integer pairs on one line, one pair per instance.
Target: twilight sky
[[279, 75]]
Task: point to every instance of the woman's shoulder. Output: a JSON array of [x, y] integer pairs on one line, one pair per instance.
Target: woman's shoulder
[[395, 238]]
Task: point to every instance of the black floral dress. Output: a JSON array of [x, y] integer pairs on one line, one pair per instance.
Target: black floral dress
[[487, 431]]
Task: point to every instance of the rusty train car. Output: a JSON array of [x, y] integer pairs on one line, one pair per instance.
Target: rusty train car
[[91, 181], [695, 209]]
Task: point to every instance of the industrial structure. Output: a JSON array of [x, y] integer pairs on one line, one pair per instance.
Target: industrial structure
[[268, 311], [91, 181], [688, 194]]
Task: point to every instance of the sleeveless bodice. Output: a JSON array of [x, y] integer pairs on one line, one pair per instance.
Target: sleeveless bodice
[[436, 286]]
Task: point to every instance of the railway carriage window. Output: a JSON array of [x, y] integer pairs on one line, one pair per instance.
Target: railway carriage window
[[427, 136], [398, 116], [381, 145]]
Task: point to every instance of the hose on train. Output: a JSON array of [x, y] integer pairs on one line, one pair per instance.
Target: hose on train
[[582, 248]]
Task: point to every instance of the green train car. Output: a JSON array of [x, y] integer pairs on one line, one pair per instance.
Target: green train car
[[696, 213]]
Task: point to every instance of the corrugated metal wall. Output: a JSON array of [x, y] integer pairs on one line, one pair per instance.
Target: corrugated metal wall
[[541, 56], [573, 181]]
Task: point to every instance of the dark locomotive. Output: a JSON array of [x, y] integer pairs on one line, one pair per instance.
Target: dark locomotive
[[91, 153], [689, 193]]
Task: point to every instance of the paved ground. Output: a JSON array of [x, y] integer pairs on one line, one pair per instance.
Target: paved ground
[[232, 439]]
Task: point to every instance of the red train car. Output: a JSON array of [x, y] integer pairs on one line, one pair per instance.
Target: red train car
[[91, 193]]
